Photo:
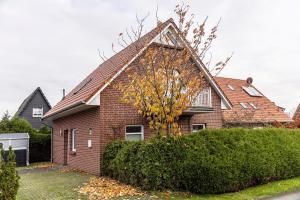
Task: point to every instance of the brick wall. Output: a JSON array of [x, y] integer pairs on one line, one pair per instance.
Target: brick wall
[[108, 123], [85, 159]]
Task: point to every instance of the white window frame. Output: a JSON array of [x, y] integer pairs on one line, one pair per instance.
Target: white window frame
[[74, 132], [252, 91], [231, 87], [194, 131], [40, 112], [253, 106], [200, 97], [142, 131], [244, 105]]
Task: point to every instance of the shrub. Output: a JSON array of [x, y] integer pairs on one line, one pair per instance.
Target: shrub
[[9, 179], [39, 147], [211, 161]]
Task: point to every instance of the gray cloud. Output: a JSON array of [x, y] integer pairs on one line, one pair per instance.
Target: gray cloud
[[53, 43]]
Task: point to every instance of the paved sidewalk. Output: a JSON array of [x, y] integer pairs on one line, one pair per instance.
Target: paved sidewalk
[[288, 196], [39, 169]]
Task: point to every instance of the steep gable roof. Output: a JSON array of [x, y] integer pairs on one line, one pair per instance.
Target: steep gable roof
[[297, 113], [26, 101], [93, 84], [262, 109]]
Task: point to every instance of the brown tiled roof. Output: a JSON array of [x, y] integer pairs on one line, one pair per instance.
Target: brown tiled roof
[[101, 75], [266, 111], [297, 113]]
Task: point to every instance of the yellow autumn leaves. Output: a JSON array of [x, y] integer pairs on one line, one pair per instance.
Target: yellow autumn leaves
[[162, 85]]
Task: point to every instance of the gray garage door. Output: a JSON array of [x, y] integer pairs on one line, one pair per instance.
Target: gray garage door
[[20, 157]]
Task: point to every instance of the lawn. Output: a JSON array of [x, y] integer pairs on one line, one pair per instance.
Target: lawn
[[62, 185]]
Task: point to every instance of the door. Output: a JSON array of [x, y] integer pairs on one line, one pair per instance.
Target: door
[[65, 147]]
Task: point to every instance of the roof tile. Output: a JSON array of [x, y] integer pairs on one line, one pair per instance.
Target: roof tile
[[266, 111], [102, 74]]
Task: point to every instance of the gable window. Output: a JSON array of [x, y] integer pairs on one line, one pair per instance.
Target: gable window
[[134, 133], [204, 98], [244, 105], [73, 140], [253, 106], [198, 127], [231, 87], [252, 91], [37, 112]]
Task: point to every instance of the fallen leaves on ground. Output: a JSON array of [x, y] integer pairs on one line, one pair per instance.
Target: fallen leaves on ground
[[105, 188]]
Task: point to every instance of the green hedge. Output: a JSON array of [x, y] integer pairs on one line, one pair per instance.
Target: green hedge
[[39, 147], [211, 161]]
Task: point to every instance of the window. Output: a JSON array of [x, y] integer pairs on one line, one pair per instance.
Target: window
[[134, 133], [82, 85], [223, 106], [73, 140], [204, 98], [252, 91], [244, 105], [231, 87], [37, 112], [198, 127], [253, 106], [171, 38]]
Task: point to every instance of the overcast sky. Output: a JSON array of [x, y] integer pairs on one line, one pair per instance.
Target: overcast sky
[[54, 43]]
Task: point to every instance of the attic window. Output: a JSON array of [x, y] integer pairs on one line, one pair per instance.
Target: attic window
[[82, 85], [171, 38], [37, 112], [252, 91], [231, 87], [253, 106], [244, 105]]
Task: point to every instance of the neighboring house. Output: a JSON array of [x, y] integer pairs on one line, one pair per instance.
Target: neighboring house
[[250, 108], [20, 145], [34, 107], [92, 115], [296, 116]]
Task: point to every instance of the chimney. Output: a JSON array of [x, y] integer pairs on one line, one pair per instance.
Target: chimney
[[64, 94]]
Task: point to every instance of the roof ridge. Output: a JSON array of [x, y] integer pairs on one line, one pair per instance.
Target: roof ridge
[[223, 77], [28, 99]]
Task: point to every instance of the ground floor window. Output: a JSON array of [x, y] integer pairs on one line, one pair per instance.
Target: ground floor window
[[198, 127], [134, 133], [73, 139]]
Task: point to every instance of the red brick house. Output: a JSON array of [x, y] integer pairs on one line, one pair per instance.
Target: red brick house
[[91, 115], [296, 116], [250, 108]]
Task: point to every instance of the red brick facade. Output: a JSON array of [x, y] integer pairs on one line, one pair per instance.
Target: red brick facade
[[108, 123]]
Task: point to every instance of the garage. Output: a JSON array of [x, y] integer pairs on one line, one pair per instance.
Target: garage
[[20, 145]]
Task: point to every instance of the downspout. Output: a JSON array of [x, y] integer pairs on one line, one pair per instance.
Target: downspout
[[51, 131]]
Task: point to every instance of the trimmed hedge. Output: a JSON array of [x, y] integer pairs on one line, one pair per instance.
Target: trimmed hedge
[[212, 161], [39, 147]]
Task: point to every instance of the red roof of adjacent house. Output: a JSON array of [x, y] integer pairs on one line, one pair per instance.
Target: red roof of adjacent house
[[101, 75], [259, 108], [297, 114]]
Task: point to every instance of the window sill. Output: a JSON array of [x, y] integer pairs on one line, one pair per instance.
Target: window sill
[[73, 153]]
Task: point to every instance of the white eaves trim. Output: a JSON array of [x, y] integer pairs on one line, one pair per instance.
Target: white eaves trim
[[97, 95], [95, 99], [210, 79]]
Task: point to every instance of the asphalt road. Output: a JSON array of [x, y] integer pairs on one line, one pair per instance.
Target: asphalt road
[[289, 196]]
